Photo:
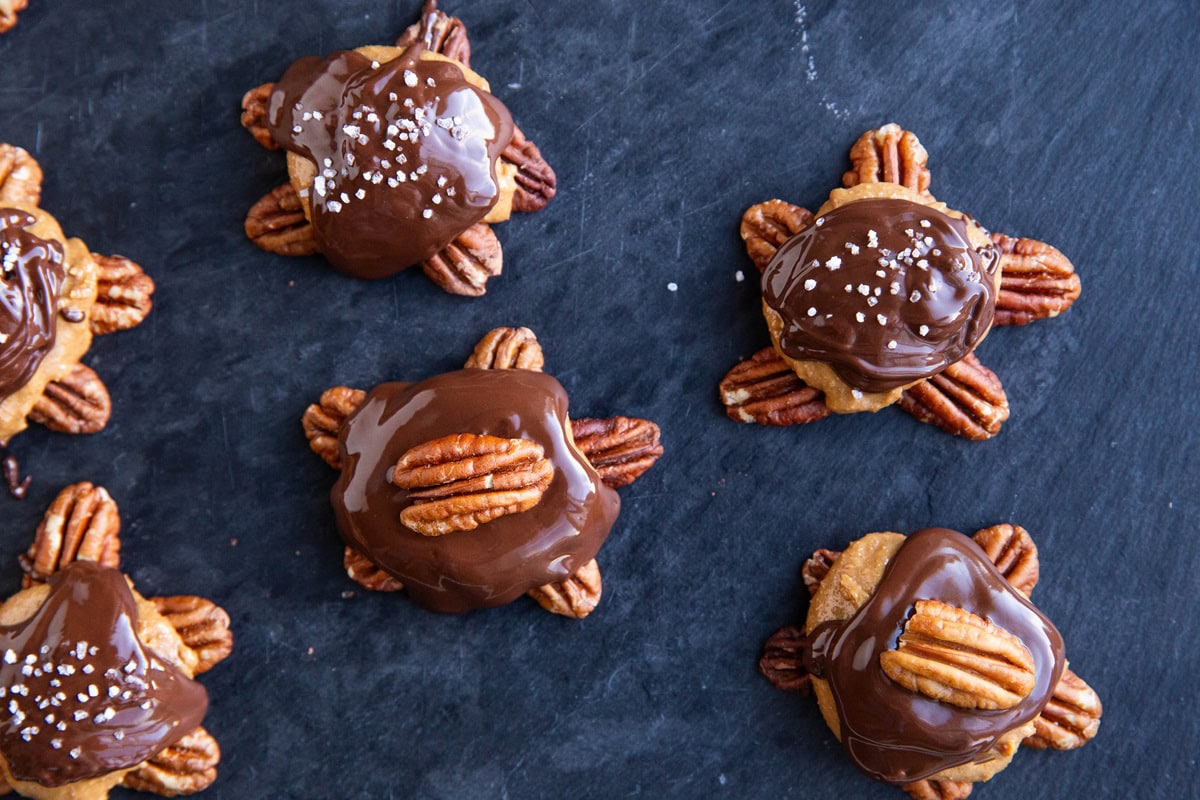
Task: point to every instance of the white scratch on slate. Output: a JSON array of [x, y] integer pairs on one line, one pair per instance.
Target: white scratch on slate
[[805, 49], [810, 61]]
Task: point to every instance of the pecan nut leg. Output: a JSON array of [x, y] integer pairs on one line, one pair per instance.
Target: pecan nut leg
[[276, 223], [364, 572], [1011, 549], [464, 266], [889, 155], [938, 790], [765, 390], [440, 33], [1036, 281], [186, 767], [966, 399], [536, 182], [20, 175], [81, 524], [202, 624], [8, 13], [124, 297], [1071, 717], [620, 449], [781, 661], [323, 420], [817, 567], [254, 114], [576, 597], [76, 403], [766, 226], [507, 348]]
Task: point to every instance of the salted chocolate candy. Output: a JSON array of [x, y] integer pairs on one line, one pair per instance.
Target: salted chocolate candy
[[405, 154], [32, 272], [883, 295], [55, 296], [927, 659], [86, 696], [97, 680], [397, 156], [885, 291], [469, 489]]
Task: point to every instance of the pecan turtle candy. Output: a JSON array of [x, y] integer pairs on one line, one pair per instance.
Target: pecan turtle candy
[[397, 156], [928, 661], [99, 680], [55, 295], [882, 296], [472, 488]]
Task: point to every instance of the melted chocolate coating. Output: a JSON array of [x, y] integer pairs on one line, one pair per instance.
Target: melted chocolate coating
[[31, 277], [899, 736], [502, 559], [887, 292], [405, 154], [84, 696]]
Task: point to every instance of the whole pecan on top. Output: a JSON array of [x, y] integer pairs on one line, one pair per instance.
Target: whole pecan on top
[[458, 482], [461, 481], [956, 657]]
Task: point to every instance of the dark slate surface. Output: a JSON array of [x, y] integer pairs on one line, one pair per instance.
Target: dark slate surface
[[1076, 125]]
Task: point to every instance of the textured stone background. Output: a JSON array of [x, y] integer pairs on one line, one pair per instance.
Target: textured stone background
[[1073, 123]]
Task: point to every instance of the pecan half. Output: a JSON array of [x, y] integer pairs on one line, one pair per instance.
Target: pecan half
[[254, 114], [620, 448], [440, 33], [186, 767], [20, 175], [781, 664], [766, 226], [364, 572], [77, 403], [507, 348], [461, 481], [765, 390], [323, 420], [1071, 717], [81, 524], [938, 790], [17, 487], [965, 399], [1036, 281], [1011, 549], [202, 624], [817, 567], [276, 223], [889, 155], [955, 657], [8, 13], [536, 181], [463, 268], [576, 597], [124, 297]]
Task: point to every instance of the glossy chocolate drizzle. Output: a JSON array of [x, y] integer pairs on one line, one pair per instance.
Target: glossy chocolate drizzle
[[897, 735], [887, 292], [84, 696], [405, 154], [31, 277], [502, 559]]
